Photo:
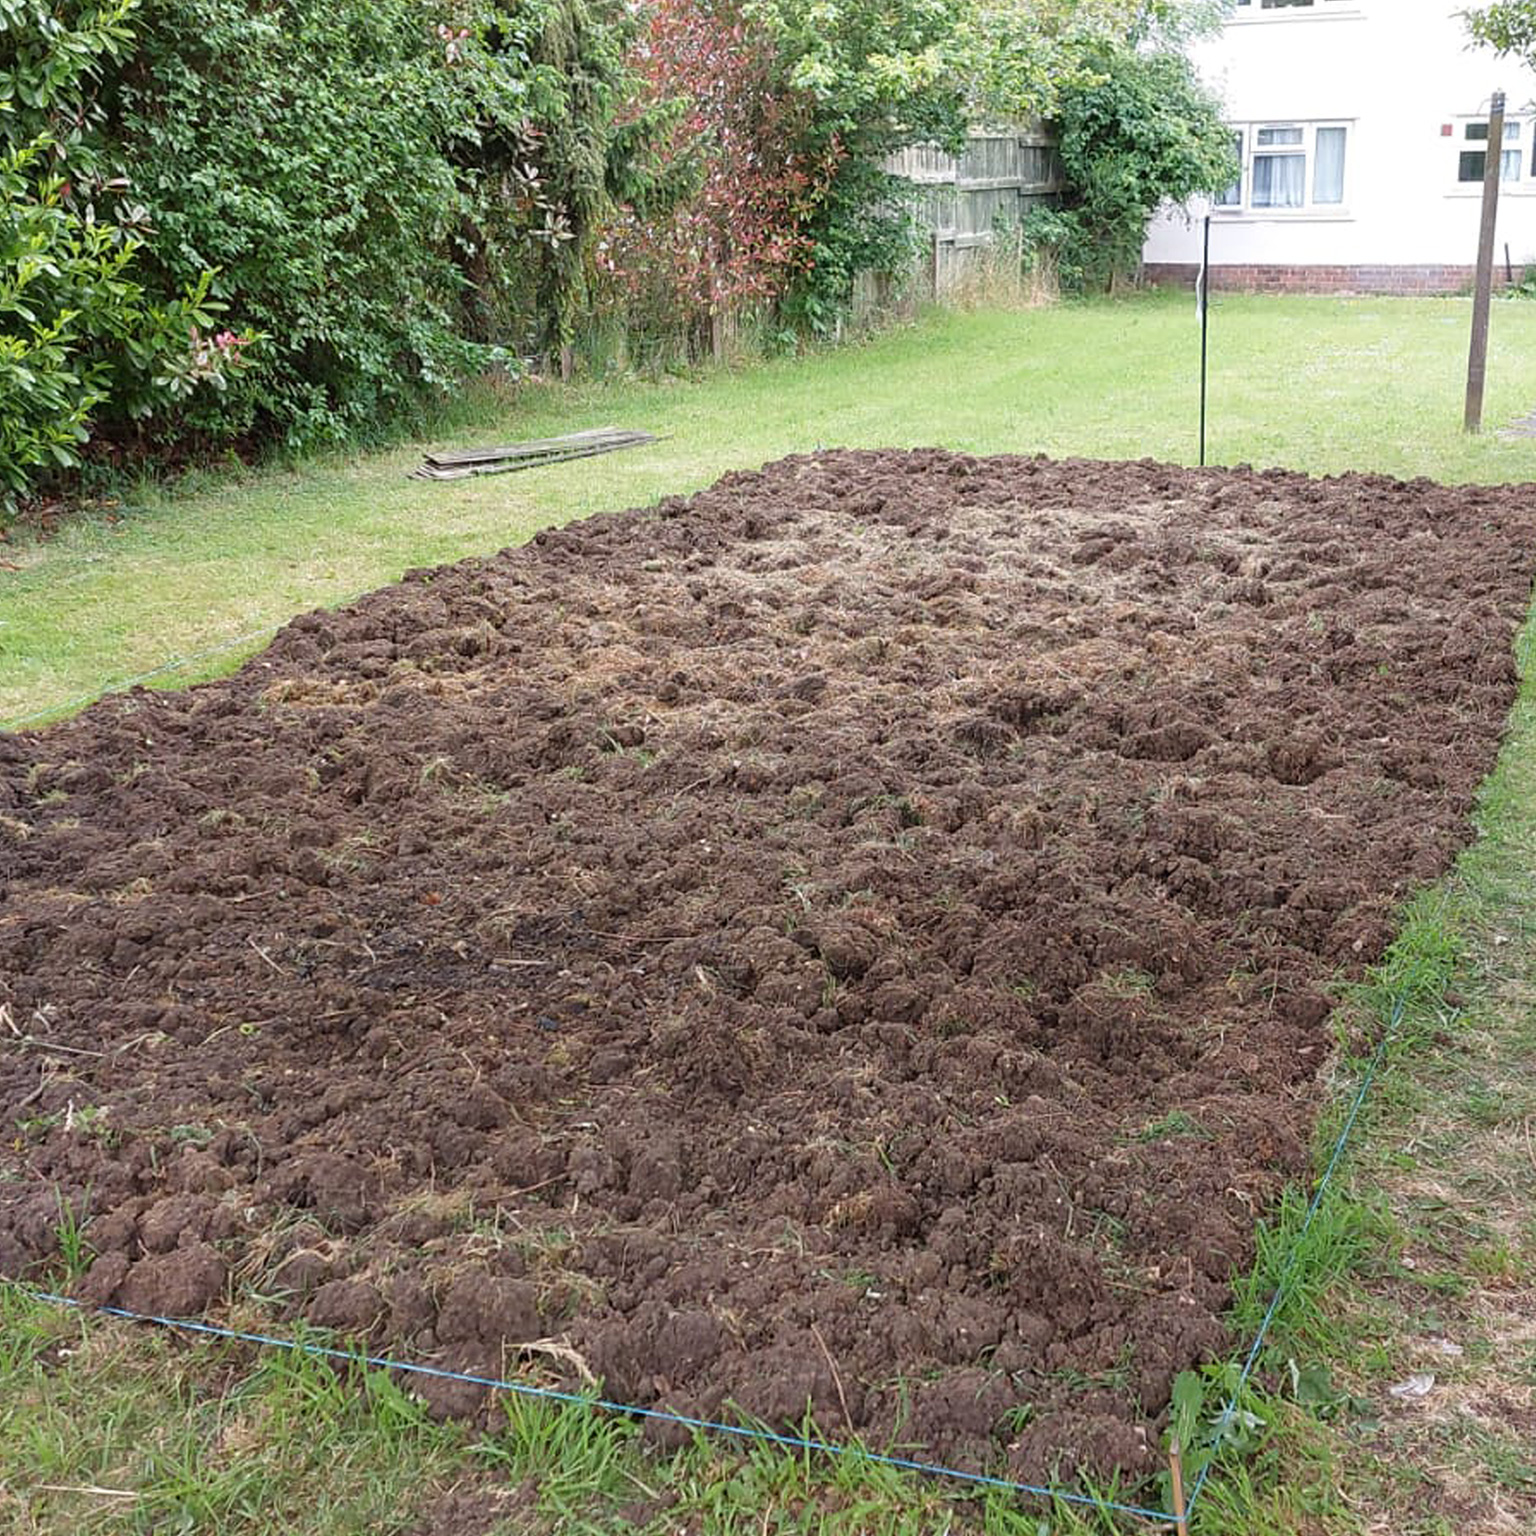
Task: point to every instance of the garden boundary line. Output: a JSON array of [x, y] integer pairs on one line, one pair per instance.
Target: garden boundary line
[[801, 1443], [1224, 1418], [576, 1399], [124, 683]]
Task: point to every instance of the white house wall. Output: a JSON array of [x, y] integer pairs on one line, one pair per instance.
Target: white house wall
[[1396, 74]]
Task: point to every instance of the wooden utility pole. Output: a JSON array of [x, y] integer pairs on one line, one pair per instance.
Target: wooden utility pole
[[1477, 360]]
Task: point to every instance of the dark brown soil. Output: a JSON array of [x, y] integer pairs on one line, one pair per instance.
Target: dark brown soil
[[859, 937]]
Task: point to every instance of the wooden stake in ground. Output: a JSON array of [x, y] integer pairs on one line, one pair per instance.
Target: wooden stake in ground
[[1477, 360], [1176, 1467]]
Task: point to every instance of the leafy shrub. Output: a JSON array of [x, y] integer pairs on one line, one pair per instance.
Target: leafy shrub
[[1054, 247], [295, 150], [1140, 129], [77, 333], [397, 197], [1135, 124], [876, 77], [723, 227], [550, 142]]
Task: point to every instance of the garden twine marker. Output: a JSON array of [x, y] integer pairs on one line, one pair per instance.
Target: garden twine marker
[[1176, 1469]]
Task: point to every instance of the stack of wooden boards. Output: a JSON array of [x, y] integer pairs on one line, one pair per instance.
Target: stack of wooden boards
[[548, 450]]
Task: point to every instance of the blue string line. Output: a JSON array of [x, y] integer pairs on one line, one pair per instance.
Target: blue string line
[[1224, 1419], [793, 1442]]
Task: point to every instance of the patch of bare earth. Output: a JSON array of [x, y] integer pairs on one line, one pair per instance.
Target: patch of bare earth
[[858, 939]]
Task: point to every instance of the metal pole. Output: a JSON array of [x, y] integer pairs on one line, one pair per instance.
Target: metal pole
[[1477, 358], [1205, 328]]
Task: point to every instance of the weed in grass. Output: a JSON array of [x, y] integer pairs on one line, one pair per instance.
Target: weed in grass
[[1491, 1104], [287, 1442], [1495, 1263], [575, 1454], [1309, 1262]]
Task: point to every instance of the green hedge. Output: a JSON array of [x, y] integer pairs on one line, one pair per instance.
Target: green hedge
[[78, 330]]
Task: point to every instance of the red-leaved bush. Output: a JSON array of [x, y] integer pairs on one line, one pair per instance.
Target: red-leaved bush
[[735, 237]]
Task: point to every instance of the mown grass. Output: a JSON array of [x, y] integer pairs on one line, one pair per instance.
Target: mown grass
[[1324, 385], [1425, 1238]]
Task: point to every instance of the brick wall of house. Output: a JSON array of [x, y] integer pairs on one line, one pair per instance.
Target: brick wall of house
[[1321, 279]]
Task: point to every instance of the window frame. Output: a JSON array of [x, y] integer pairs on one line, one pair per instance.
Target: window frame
[[1521, 142], [1309, 208]]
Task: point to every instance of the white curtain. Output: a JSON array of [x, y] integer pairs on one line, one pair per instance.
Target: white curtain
[[1328, 174], [1279, 181]]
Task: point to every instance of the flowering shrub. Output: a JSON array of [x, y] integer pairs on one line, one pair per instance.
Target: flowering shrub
[[212, 359], [733, 154]]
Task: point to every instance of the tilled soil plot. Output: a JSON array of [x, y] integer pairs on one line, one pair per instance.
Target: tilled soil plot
[[860, 937]]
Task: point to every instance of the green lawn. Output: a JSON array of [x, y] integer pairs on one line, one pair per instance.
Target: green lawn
[[1322, 385], [1422, 1262]]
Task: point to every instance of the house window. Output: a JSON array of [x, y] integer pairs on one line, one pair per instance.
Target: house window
[[1288, 167], [1279, 168], [1328, 167], [1232, 197], [1472, 163]]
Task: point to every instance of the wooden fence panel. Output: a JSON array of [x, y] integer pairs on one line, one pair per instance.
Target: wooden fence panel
[[967, 199]]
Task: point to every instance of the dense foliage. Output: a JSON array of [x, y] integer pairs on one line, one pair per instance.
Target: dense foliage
[[733, 183], [1024, 57], [389, 201], [782, 113], [78, 332], [1137, 128], [875, 77], [380, 197], [549, 146], [1134, 123]]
